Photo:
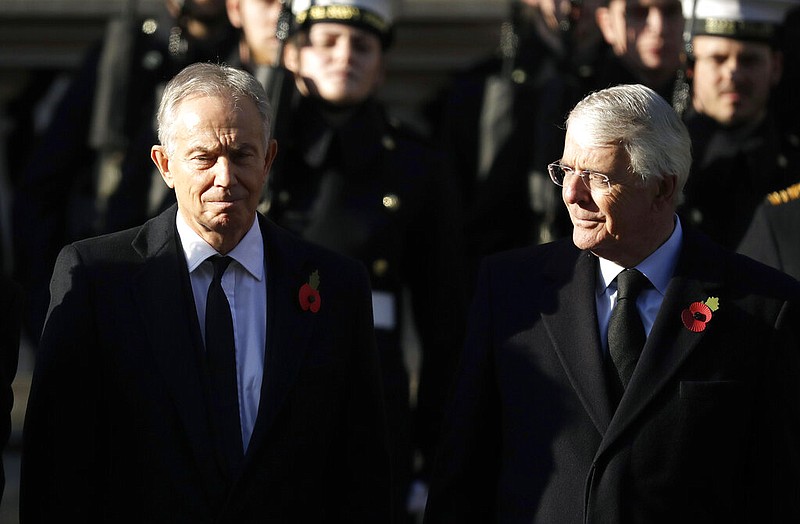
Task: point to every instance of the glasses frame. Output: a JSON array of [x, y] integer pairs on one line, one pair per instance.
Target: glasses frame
[[586, 176]]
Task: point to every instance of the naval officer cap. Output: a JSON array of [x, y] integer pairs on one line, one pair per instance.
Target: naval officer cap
[[375, 16], [755, 20]]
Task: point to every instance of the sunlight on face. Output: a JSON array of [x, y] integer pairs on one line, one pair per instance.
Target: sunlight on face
[[614, 224], [218, 167]]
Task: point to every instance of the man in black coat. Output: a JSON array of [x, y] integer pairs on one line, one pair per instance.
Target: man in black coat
[[558, 416], [132, 419]]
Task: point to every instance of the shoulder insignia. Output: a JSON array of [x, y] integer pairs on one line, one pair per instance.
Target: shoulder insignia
[[782, 196]]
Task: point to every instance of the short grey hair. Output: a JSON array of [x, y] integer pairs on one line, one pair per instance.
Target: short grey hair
[[209, 80], [644, 124]]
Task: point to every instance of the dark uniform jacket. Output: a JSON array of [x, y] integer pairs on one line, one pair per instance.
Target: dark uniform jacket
[[774, 234], [354, 181], [708, 430], [733, 170]]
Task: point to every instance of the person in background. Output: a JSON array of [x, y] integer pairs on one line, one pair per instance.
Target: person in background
[[637, 372], [90, 173], [645, 39], [260, 39], [499, 123], [207, 366], [352, 178], [737, 143], [771, 237]]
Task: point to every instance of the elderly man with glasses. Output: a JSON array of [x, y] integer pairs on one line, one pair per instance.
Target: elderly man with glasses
[[634, 373]]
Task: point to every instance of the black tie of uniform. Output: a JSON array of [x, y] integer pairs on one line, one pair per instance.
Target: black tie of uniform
[[626, 334], [221, 365]]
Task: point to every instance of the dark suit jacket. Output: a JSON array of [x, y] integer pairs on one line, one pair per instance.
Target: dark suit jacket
[[707, 430], [116, 427]]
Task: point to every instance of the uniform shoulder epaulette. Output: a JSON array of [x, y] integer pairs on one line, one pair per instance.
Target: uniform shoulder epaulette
[[783, 196]]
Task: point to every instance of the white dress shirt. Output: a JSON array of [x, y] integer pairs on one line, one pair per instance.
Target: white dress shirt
[[658, 268], [244, 283]]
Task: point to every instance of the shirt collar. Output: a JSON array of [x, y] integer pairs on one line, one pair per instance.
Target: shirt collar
[[249, 252], [658, 267]]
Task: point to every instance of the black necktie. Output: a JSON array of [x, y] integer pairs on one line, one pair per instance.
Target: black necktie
[[221, 365], [626, 334]]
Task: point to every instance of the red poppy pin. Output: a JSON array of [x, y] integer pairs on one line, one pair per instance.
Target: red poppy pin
[[698, 314], [309, 294]]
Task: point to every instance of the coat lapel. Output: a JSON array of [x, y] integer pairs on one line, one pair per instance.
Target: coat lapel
[[164, 296], [670, 343], [288, 326], [574, 332]]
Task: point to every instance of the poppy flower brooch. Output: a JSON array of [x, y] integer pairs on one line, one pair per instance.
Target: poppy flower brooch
[[698, 314], [309, 294]]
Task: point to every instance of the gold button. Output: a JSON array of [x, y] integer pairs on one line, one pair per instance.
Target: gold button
[[380, 266], [391, 202], [388, 142]]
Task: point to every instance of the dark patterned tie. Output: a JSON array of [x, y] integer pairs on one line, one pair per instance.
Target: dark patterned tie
[[221, 365], [626, 334]]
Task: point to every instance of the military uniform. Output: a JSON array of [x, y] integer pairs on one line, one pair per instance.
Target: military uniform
[[362, 185], [738, 161], [732, 171], [772, 237]]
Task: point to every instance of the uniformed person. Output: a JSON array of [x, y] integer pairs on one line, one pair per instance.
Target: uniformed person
[[349, 177], [772, 237], [739, 154], [92, 172], [645, 46]]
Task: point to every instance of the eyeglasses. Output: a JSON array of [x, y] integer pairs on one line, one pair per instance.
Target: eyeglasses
[[591, 179]]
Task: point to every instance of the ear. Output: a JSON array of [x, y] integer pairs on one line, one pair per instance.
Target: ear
[[665, 192], [602, 16], [234, 13], [291, 57], [272, 151], [382, 73], [159, 156]]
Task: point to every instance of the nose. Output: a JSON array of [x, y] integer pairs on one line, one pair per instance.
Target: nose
[[574, 190], [224, 173], [655, 19], [343, 51]]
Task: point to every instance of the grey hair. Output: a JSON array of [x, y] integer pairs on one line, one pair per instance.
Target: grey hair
[[644, 124], [209, 80]]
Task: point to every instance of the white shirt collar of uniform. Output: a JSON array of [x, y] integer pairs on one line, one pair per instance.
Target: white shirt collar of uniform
[[658, 267], [249, 252]]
